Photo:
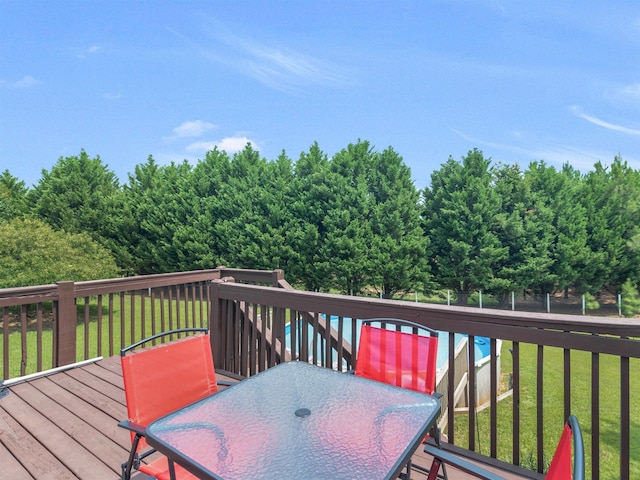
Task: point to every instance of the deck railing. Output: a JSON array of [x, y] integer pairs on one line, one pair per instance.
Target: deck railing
[[258, 320], [241, 314], [59, 324]]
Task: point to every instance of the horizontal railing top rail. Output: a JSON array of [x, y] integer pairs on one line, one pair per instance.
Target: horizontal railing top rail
[[616, 336]]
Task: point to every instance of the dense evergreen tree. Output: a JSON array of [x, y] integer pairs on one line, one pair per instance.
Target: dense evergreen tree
[[13, 197], [572, 261], [461, 212], [314, 189], [611, 198], [522, 228], [160, 203], [398, 252]]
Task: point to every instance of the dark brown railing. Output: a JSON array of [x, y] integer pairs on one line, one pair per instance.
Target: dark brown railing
[[258, 320], [240, 313], [74, 321]]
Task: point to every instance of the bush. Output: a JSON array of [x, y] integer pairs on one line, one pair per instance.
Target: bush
[[32, 253]]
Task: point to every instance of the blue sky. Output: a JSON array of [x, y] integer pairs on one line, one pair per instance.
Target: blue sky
[[521, 80]]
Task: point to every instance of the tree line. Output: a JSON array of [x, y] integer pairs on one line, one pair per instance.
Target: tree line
[[353, 222]]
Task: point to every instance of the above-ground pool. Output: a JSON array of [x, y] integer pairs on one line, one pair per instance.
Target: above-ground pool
[[481, 343]]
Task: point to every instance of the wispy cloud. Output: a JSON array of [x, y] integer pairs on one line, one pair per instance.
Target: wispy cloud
[[577, 111], [26, 82], [195, 128], [230, 145], [558, 154], [277, 67], [90, 50]]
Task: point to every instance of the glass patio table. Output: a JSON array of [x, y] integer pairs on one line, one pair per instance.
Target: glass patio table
[[298, 421]]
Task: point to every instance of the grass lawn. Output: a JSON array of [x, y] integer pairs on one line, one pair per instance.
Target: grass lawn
[[553, 409]]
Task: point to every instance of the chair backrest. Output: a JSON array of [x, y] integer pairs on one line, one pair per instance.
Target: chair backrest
[[561, 465], [396, 357], [163, 378]]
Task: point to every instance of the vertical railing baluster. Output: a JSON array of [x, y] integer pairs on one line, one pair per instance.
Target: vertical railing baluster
[[595, 415], [87, 333], [515, 386], [99, 353], [111, 330], [23, 342], [493, 361], [471, 342], [540, 408], [451, 380], [39, 333], [625, 418], [5, 343]]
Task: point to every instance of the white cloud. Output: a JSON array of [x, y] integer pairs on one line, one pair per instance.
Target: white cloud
[[193, 128], [112, 96], [602, 123], [93, 49], [229, 144], [26, 82]]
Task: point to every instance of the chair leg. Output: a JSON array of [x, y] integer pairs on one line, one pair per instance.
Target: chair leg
[[133, 461], [435, 468], [172, 470]]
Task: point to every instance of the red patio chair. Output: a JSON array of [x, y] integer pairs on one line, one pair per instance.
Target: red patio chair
[[401, 358], [560, 468], [157, 381]]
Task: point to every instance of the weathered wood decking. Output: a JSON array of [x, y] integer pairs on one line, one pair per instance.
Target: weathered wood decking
[[64, 426]]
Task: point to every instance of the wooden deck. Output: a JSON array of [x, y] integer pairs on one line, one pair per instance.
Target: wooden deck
[[64, 426]]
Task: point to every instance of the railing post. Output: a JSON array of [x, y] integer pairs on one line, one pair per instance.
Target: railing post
[[65, 346], [278, 274], [218, 326]]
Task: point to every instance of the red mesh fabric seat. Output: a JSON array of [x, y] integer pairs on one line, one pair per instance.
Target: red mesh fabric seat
[[159, 380], [398, 358]]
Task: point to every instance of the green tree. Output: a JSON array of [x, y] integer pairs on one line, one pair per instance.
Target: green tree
[[13, 197], [630, 299], [398, 252], [558, 192], [314, 189], [524, 229], [460, 214], [33, 253], [348, 219], [81, 195], [611, 197], [160, 204]]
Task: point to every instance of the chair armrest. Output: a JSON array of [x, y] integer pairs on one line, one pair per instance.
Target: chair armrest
[[134, 427], [461, 464]]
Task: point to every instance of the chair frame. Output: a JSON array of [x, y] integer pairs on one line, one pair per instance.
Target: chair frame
[[135, 458], [442, 457]]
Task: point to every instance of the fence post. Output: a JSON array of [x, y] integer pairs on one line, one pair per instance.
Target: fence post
[[65, 327]]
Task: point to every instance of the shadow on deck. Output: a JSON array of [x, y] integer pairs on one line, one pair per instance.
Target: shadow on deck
[[64, 426]]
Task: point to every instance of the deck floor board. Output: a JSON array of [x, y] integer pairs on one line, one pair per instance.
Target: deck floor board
[[64, 426]]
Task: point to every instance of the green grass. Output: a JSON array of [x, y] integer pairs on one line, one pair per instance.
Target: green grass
[[553, 409]]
